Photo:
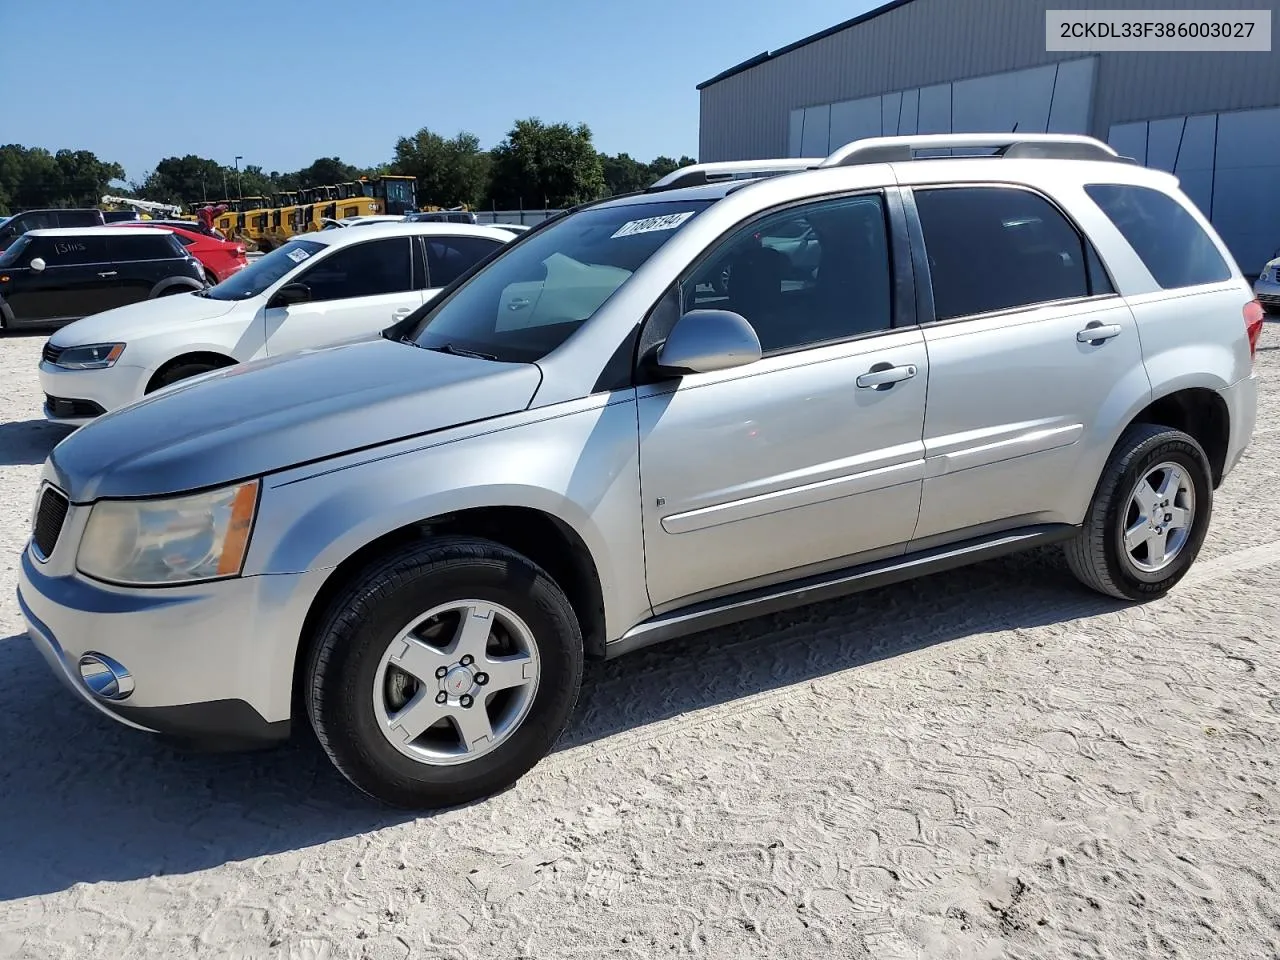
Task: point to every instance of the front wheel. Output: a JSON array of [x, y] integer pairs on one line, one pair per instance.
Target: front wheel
[[1148, 518], [444, 672]]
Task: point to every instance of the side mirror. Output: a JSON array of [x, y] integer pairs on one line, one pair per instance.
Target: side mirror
[[37, 264], [707, 340], [290, 293]]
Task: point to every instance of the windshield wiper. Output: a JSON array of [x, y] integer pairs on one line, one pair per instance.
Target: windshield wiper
[[459, 352]]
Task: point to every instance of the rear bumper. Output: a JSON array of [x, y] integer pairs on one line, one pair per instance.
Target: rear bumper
[[1242, 409]]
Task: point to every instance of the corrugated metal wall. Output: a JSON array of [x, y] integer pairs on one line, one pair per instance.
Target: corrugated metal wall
[[745, 116]]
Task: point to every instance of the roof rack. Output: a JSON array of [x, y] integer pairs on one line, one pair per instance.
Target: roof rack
[[1051, 146], [698, 174]]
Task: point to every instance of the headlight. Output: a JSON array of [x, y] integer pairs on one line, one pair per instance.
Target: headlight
[[180, 540], [93, 356]]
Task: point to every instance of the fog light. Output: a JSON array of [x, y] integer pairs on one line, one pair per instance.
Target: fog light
[[105, 677]]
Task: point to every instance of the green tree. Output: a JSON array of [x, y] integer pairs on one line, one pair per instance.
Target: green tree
[[624, 173], [539, 164], [662, 166], [326, 171], [449, 172], [188, 180]]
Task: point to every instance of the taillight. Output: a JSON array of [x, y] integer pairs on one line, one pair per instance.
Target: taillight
[[1254, 318]]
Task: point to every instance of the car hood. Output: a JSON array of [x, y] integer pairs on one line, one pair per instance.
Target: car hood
[[143, 317], [269, 415]]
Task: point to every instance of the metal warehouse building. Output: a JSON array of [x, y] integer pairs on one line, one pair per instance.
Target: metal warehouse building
[[965, 66]]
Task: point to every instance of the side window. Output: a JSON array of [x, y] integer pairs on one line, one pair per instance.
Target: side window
[[807, 275], [1163, 234], [144, 246], [71, 251], [997, 248], [449, 257], [361, 270]]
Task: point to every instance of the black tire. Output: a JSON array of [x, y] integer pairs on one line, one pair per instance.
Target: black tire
[[172, 291], [1097, 556], [363, 620], [182, 371]]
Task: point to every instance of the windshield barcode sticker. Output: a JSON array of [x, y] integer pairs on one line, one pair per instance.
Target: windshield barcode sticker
[[650, 224], [297, 256]]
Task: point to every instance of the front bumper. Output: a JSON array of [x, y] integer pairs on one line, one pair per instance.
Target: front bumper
[[1268, 291], [212, 662], [83, 391]]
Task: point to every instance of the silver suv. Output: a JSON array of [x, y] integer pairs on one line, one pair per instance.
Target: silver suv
[[748, 387]]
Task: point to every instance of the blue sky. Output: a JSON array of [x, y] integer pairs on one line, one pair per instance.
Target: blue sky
[[281, 83]]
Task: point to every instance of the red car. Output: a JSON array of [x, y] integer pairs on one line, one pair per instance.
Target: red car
[[220, 258]]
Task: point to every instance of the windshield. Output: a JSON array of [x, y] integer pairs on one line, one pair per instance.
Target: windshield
[[540, 291], [11, 255], [262, 273]]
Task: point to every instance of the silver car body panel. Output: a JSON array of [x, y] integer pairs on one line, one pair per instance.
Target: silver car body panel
[[674, 486], [254, 418]]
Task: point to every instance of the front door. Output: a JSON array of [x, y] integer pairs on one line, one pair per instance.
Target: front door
[[810, 458], [357, 289], [1018, 383], [77, 277]]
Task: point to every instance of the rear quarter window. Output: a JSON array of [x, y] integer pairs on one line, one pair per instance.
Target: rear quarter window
[[1171, 244]]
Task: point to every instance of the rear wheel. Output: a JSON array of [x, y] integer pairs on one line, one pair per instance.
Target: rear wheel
[[1148, 518], [444, 672]]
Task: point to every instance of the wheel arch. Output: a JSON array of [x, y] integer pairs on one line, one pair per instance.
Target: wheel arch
[[547, 540], [173, 284], [1199, 411], [219, 360]]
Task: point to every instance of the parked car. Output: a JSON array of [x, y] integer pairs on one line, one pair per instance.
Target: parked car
[[582, 448], [331, 223], [314, 290], [121, 216], [220, 258], [441, 216], [1267, 286], [195, 226], [54, 277], [51, 219]]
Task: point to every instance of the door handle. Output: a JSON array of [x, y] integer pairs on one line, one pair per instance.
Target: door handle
[[886, 375], [109, 273], [1097, 332], [518, 304]]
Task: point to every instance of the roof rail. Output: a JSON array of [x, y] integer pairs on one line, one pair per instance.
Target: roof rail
[[1053, 146], [698, 174]]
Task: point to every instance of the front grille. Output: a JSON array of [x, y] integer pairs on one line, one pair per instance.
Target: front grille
[[50, 354], [50, 516], [66, 409]]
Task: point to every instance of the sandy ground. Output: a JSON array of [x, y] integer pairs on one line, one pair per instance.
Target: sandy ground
[[988, 763]]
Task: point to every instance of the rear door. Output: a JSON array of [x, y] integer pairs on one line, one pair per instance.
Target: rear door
[[1030, 352], [357, 289], [450, 257]]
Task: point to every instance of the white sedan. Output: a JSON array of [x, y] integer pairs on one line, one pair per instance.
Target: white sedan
[[317, 289]]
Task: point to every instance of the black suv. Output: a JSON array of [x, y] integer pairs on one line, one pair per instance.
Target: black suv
[[52, 277], [20, 223]]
